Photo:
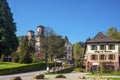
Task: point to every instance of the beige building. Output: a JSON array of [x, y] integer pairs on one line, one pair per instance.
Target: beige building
[[102, 51]]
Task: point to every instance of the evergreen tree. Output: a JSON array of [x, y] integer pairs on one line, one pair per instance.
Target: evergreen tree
[[8, 39]]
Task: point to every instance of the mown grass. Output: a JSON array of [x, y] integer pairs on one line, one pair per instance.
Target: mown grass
[[105, 74], [13, 68], [5, 65], [115, 78]]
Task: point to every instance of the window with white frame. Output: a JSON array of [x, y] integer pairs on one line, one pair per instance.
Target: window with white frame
[[102, 57], [111, 57], [94, 57], [102, 47], [111, 46], [93, 47]]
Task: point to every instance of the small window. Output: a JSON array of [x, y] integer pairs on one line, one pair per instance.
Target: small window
[[102, 47], [93, 47], [94, 57], [69, 57], [69, 48], [111, 57], [102, 57], [111, 47]]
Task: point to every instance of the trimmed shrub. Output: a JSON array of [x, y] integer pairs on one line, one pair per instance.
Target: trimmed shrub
[[15, 78], [60, 76], [54, 64], [78, 69], [26, 68], [39, 76], [68, 70]]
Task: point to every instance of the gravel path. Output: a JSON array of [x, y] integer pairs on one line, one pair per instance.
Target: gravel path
[[69, 76]]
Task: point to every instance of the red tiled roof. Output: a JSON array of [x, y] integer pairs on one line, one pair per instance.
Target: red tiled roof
[[101, 38]]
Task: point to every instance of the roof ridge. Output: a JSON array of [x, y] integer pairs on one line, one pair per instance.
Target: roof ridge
[[100, 37]]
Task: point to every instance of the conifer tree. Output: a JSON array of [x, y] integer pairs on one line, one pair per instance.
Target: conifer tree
[[8, 39]]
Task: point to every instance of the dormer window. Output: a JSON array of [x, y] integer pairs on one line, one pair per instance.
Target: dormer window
[[93, 47]]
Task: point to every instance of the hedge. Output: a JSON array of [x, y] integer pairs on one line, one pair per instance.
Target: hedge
[[67, 70], [25, 68]]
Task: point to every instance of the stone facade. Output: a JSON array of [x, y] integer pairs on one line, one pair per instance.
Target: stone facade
[[36, 41]]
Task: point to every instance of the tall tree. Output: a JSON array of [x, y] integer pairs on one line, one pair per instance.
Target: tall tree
[[113, 33], [78, 54], [55, 44], [8, 39]]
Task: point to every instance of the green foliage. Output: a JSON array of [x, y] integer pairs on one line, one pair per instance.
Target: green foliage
[[67, 70], [113, 33], [21, 38], [2, 58], [78, 54], [66, 65], [26, 51], [8, 39], [15, 57], [12, 68], [25, 58], [21, 69], [35, 58], [53, 44], [114, 79], [106, 70], [78, 69]]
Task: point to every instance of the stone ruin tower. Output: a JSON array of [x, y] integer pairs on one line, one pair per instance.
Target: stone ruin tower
[[31, 37], [36, 40], [39, 41]]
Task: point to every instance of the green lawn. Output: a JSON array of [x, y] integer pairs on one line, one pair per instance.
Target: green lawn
[[13, 68], [115, 78], [5, 65], [105, 74]]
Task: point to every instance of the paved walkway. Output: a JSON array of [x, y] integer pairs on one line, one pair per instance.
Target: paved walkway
[[24, 76], [69, 76]]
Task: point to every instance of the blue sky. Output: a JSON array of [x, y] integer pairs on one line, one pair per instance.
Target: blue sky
[[76, 19]]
